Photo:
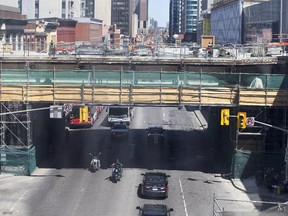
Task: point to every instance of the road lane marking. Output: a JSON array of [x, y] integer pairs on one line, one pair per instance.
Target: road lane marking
[[163, 114], [183, 198], [20, 198]]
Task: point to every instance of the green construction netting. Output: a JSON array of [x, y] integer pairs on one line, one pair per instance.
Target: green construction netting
[[144, 78], [246, 163], [18, 161]]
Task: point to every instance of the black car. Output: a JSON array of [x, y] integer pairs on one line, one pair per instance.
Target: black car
[[119, 130], [154, 184], [155, 134], [154, 209]]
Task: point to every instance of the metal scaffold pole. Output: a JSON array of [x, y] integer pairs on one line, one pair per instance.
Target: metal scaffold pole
[[28, 138], [1, 110]]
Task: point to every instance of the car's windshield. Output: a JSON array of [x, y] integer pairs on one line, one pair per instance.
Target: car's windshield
[[119, 116], [155, 130], [119, 126]]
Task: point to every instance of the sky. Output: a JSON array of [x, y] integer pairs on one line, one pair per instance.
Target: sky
[[159, 10]]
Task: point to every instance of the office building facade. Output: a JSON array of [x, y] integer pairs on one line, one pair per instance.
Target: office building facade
[[102, 11], [273, 27], [130, 16], [121, 15], [142, 12], [183, 19]]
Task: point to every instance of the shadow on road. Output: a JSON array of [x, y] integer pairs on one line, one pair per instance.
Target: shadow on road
[[182, 150]]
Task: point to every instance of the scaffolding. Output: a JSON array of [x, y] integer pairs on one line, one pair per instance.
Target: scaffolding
[[16, 147]]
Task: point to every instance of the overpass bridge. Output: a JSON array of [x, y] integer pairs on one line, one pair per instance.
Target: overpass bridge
[[143, 87], [22, 89]]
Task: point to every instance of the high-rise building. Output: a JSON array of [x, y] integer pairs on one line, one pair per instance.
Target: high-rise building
[[129, 16], [103, 11], [241, 21], [183, 19], [65, 9], [190, 16], [269, 28], [121, 15], [89, 8], [10, 3], [142, 12]]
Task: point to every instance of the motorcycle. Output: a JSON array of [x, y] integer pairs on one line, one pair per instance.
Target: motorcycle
[[95, 163], [116, 174]]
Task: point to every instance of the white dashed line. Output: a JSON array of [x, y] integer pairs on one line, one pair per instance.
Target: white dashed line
[[183, 198], [20, 198]]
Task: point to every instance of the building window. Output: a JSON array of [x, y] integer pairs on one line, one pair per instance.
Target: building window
[[63, 4]]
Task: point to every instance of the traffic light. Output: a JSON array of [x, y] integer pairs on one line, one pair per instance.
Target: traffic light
[[241, 119], [225, 115], [83, 114]]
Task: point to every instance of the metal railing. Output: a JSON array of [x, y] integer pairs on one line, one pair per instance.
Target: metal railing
[[156, 50], [271, 207]]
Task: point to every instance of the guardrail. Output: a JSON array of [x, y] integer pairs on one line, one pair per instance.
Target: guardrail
[[140, 50]]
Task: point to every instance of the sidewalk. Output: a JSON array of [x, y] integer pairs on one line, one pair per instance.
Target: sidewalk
[[250, 187], [5, 175]]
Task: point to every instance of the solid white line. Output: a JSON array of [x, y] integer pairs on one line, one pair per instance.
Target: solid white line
[[183, 198]]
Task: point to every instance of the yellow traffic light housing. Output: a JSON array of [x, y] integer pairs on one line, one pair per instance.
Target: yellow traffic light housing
[[225, 115], [83, 114], [241, 120]]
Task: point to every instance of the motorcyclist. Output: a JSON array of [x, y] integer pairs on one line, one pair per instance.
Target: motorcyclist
[[95, 159], [118, 165]]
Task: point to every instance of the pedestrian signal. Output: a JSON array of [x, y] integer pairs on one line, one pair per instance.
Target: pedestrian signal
[[83, 114], [225, 115], [241, 119]]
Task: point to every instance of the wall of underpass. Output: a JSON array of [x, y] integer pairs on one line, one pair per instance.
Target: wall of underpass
[[47, 134]]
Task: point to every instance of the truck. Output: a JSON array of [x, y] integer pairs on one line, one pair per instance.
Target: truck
[[120, 114], [82, 116]]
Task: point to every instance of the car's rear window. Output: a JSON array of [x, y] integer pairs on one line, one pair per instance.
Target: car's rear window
[[154, 211], [155, 179]]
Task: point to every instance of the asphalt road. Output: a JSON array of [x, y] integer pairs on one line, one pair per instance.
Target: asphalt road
[[64, 186]]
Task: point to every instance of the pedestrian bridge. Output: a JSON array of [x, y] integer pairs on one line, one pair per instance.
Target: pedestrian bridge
[[144, 88]]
